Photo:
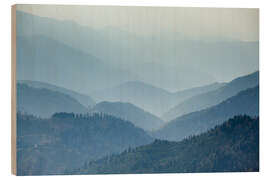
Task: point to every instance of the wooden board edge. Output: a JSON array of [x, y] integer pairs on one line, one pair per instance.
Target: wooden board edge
[[13, 92]]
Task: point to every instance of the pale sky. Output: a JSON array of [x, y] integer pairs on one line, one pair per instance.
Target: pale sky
[[191, 23]]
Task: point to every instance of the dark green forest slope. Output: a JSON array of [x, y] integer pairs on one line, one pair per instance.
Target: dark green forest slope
[[49, 146], [230, 147]]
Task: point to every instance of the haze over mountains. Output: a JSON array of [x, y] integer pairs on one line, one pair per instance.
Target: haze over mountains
[[40, 58], [212, 98], [148, 97], [152, 99], [111, 101], [180, 96], [187, 63], [85, 100], [44, 102], [245, 102], [158, 74], [129, 112], [126, 95]]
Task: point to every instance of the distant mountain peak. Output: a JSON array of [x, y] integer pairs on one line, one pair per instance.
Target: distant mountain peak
[[244, 102], [125, 110], [211, 98], [45, 102]]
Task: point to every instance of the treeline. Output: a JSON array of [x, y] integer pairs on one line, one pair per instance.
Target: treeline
[[67, 140], [230, 147]]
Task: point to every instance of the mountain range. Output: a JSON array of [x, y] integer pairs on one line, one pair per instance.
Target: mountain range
[[150, 98], [245, 102], [129, 112], [131, 96], [113, 101], [230, 147], [85, 100], [181, 96], [134, 55], [66, 140], [211, 98], [40, 58], [45, 102], [180, 77]]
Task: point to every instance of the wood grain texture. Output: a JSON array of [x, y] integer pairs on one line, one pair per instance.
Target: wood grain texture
[[13, 91]]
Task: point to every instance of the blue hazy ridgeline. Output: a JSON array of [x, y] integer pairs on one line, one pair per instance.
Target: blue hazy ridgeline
[[106, 101]]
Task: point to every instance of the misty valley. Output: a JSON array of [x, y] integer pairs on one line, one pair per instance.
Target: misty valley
[[92, 103], [60, 133]]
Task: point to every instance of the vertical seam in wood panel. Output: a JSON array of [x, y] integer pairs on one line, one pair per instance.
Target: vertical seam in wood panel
[[13, 92]]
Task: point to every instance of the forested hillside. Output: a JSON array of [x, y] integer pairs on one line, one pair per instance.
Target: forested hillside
[[230, 147], [66, 140], [141, 90]]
